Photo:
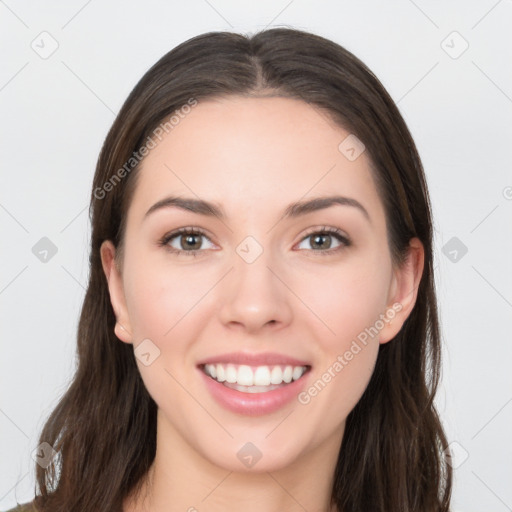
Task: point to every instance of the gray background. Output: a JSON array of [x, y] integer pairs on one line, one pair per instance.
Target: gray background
[[56, 109]]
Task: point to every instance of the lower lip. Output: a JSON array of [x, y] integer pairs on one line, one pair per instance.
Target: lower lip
[[254, 404]]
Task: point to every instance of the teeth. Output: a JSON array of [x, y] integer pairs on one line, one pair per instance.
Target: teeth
[[212, 370], [262, 376], [297, 372], [231, 374], [221, 374], [276, 377], [245, 375]]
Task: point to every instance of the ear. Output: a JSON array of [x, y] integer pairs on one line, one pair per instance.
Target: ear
[[403, 291], [122, 328]]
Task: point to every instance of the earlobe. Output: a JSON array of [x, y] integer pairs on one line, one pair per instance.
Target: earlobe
[[122, 333], [122, 328], [404, 290]]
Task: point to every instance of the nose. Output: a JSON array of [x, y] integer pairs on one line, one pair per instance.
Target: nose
[[254, 296]]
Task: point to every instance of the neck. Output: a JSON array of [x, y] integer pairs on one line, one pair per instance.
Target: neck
[[181, 479]]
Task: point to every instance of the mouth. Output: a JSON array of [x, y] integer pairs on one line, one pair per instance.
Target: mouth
[[254, 379], [254, 384]]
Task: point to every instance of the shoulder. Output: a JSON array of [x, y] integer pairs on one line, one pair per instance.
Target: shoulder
[[26, 507]]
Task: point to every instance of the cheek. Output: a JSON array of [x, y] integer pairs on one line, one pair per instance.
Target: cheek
[[353, 301], [347, 300], [338, 387], [160, 297], [163, 305], [350, 306]]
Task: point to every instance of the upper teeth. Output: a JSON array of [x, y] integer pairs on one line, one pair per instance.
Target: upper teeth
[[254, 376]]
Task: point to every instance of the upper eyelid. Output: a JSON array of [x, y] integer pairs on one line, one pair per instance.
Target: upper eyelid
[[198, 230], [326, 229]]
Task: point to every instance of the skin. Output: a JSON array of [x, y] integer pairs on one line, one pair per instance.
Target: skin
[[253, 156]]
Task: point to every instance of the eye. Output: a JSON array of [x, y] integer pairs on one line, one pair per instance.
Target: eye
[[190, 241], [323, 240], [187, 241]]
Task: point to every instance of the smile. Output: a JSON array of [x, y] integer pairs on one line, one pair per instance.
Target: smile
[[254, 379], [253, 384]]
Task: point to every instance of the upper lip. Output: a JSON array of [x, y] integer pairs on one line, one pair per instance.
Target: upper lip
[[262, 359]]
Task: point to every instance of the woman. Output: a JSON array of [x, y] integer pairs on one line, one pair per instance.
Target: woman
[[260, 328]]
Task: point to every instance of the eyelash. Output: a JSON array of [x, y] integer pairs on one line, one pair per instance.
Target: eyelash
[[336, 233]]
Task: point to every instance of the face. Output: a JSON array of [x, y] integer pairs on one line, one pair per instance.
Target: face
[[255, 286]]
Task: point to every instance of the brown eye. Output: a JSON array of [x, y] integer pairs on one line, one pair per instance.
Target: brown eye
[[185, 241], [325, 240], [321, 241], [190, 241]]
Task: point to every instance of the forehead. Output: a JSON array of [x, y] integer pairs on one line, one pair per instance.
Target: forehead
[[253, 152]]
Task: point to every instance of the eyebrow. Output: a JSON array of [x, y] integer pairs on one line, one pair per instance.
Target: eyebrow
[[202, 207]]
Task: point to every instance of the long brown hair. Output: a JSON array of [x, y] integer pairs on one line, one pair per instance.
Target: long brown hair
[[104, 427]]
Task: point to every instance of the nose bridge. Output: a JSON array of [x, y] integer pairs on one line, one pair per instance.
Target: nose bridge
[[254, 296]]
